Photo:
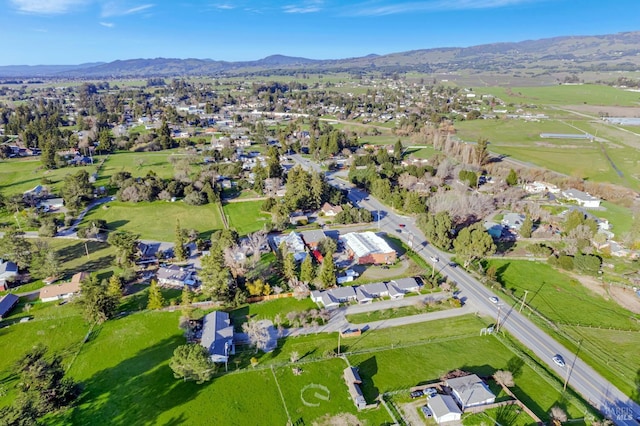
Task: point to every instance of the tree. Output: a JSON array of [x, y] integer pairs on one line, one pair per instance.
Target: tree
[[192, 362], [397, 151], [98, 305], [156, 301], [216, 279], [114, 288], [179, 250], [258, 288], [327, 273], [558, 415], [42, 388], [527, 227], [258, 334], [512, 178], [306, 270], [14, 247], [76, 189], [257, 241], [481, 152], [472, 243], [504, 377], [289, 267], [125, 244], [327, 245], [437, 228], [44, 261]]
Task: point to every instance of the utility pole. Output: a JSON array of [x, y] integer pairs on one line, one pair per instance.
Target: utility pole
[[523, 299], [339, 334], [86, 249], [378, 214], [570, 369], [497, 328]]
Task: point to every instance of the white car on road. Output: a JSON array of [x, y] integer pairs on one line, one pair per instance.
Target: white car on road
[[493, 299], [558, 360]]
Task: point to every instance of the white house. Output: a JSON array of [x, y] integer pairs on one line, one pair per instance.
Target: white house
[[470, 391], [444, 409], [62, 291], [582, 198]]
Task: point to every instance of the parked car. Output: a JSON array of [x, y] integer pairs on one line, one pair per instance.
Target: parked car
[[426, 411], [558, 360], [416, 394], [430, 392]]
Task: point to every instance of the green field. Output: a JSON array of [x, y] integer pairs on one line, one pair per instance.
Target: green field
[[564, 95], [581, 316], [269, 310], [365, 317], [157, 220], [126, 360], [247, 216], [20, 175]]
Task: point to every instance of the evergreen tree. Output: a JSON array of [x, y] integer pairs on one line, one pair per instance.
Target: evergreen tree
[[527, 227], [397, 151], [98, 305], [125, 244], [327, 274], [289, 267], [306, 270], [472, 243], [115, 287], [156, 301], [179, 250], [192, 362], [512, 178]]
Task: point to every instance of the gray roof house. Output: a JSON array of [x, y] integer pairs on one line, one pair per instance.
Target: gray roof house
[[470, 391], [444, 409], [408, 285], [8, 270], [174, 275], [7, 303], [324, 298], [582, 198], [376, 290], [313, 237], [343, 294], [362, 296], [353, 381], [513, 220], [217, 336], [395, 292]]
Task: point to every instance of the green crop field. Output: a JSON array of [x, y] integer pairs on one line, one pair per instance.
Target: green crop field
[[564, 95], [157, 220], [247, 216], [581, 315]]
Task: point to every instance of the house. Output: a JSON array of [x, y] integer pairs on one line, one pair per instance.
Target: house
[[540, 187], [470, 391], [343, 294], [408, 285], [334, 297], [330, 210], [60, 291], [298, 219], [395, 292], [294, 244], [513, 221], [368, 248], [7, 303], [79, 277], [362, 296], [177, 276], [583, 199], [51, 204], [8, 273], [375, 290], [444, 409], [313, 238], [324, 298], [353, 381], [217, 336]]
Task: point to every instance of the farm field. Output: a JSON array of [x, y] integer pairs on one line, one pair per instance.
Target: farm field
[[127, 359], [246, 216], [564, 95], [157, 220], [580, 314]]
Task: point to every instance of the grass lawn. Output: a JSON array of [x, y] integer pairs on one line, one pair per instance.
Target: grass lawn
[[20, 175], [60, 328], [403, 311], [512, 131], [269, 309], [581, 316], [247, 216], [157, 220], [508, 415], [564, 95], [620, 217], [320, 390]]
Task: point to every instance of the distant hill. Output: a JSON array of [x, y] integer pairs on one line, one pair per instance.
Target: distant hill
[[612, 52]]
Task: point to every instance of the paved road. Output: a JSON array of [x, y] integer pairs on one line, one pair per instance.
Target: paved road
[[587, 382], [70, 232]]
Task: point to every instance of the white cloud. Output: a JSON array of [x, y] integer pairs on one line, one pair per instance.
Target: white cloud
[[380, 8], [48, 7], [111, 9], [311, 6], [224, 6], [108, 24]]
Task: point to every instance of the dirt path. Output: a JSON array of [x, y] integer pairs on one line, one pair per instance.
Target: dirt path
[[410, 412], [622, 296]]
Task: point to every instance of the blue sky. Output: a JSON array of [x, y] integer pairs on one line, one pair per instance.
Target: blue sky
[[78, 31]]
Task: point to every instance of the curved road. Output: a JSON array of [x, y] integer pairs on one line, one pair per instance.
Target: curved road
[[585, 380]]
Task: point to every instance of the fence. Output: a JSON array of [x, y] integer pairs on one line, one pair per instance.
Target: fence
[[255, 299]]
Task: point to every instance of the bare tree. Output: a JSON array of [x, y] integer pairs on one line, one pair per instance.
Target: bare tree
[[235, 260], [294, 357], [258, 333], [256, 241], [558, 415], [504, 377]]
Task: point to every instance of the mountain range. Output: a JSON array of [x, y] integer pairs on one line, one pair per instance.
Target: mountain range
[[569, 54]]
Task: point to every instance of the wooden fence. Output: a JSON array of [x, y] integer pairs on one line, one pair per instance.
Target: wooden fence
[[255, 299]]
